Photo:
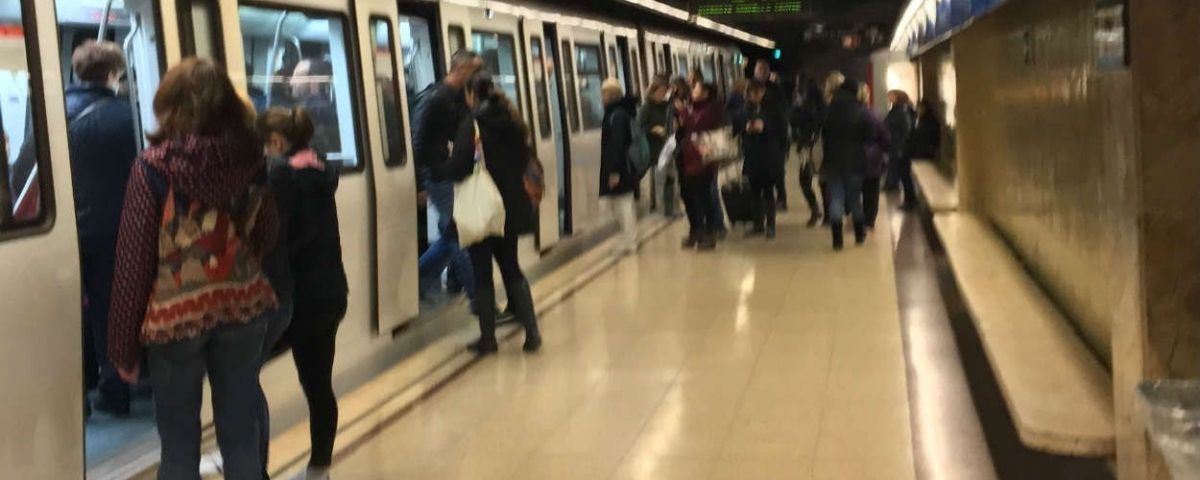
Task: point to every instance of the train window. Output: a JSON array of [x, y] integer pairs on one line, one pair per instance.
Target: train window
[[539, 86], [301, 59], [387, 91], [569, 77], [458, 40], [499, 54], [710, 72], [417, 49], [200, 30], [590, 80], [24, 194]]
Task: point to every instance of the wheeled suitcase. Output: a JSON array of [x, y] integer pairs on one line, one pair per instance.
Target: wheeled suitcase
[[739, 203]]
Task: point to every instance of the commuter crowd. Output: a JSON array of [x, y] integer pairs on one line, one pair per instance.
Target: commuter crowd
[[217, 246]]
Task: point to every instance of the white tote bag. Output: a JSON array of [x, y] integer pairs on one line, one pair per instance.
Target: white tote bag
[[478, 206], [668, 154]]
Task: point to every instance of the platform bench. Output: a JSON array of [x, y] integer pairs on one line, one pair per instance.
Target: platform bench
[[1058, 392]]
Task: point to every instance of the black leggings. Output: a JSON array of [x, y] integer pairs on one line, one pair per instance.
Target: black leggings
[[697, 200], [764, 190], [870, 200], [313, 335], [504, 250]]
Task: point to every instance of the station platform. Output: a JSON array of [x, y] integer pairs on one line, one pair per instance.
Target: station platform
[[779, 360]]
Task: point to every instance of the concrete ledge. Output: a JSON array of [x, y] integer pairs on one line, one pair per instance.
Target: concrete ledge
[[1059, 394], [939, 192]]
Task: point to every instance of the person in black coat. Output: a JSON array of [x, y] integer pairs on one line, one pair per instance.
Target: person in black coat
[[924, 143], [618, 184], [764, 141], [845, 136], [306, 268], [103, 145], [899, 122], [807, 120], [495, 127]]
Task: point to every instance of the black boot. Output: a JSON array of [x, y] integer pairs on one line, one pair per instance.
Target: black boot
[[860, 233], [814, 219], [485, 303], [770, 232], [521, 300], [836, 227]]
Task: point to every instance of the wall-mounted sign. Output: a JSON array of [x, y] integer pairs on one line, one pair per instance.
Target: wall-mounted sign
[[1111, 47]]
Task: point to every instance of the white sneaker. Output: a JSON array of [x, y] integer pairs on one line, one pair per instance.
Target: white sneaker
[[211, 464], [313, 473]]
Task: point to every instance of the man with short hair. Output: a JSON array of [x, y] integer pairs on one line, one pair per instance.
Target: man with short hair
[[774, 99], [439, 110], [103, 145]]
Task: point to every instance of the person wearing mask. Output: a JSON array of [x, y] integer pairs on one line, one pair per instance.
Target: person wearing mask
[[314, 253], [696, 178], [806, 124], [775, 99], [899, 124], [440, 108], [879, 142], [845, 138], [923, 144], [761, 126], [496, 131], [197, 217], [617, 181], [652, 119], [103, 144]]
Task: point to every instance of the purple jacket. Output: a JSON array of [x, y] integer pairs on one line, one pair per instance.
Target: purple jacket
[[879, 142]]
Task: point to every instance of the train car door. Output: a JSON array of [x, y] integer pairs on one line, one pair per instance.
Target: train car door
[[583, 62], [543, 128], [39, 291], [392, 168]]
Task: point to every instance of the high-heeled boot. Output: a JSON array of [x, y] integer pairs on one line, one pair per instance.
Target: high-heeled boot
[[521, 300], [485, 310]]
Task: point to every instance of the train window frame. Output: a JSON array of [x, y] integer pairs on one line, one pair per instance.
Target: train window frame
[[598, 53], [44, 222], [515, 58], [389, 157], [455, 33], [541, 96], [570, 84], [187, 29], [357, 103]]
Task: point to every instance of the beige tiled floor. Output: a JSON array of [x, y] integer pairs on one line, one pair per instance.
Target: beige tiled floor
[[757, 361]]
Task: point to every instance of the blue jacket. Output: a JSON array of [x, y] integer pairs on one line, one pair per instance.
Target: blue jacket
[[103, 148]]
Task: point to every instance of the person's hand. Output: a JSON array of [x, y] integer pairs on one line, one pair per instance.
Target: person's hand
[[614, 179], [758, 126], [130, 376], [659, 130]]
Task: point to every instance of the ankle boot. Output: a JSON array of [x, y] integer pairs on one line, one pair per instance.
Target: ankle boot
[[836, 227], [521, 300], [485, 310], [860, 233]]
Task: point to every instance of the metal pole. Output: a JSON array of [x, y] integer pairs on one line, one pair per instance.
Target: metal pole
[[131, 77], [271, 58], [104, 21]]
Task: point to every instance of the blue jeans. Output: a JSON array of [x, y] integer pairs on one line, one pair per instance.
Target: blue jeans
[[444, 252], [716, 214], [231, 355], [277, 325], [845, 192]]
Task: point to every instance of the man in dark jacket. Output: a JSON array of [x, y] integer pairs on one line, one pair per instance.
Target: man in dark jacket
[[440, 109], [775, 99], [617, 180], [899, 124], [845, 137], [103, 145], [762, 126]]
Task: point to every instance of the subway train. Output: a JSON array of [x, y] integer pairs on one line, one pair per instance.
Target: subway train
[[548, 56]]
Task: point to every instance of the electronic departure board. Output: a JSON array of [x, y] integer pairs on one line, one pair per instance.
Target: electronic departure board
[[748, 7]]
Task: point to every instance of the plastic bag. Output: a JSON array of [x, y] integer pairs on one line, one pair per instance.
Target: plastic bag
[[478, 206], [668, 154]]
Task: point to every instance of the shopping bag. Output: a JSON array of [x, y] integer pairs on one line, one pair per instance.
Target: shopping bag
[[718, 146], [668, 154], [478, 206]]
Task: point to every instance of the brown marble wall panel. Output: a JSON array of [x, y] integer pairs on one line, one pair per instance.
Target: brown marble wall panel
[[1045, 151]]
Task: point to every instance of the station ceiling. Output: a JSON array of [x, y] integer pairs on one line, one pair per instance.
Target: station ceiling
[[806, 24]]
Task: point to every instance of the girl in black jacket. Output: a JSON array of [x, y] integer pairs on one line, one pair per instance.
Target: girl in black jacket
[[497, 129], [314, 257]]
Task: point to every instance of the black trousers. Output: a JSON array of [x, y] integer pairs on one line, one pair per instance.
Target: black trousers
[[906, 181], [781, 188], [313, 335], [763, 190], [697, 200], [504, 251], [870, 199], [806, 184], [97, 260]]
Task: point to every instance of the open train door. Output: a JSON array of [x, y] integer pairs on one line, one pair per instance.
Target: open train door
[[392, 167], [542, 127]]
